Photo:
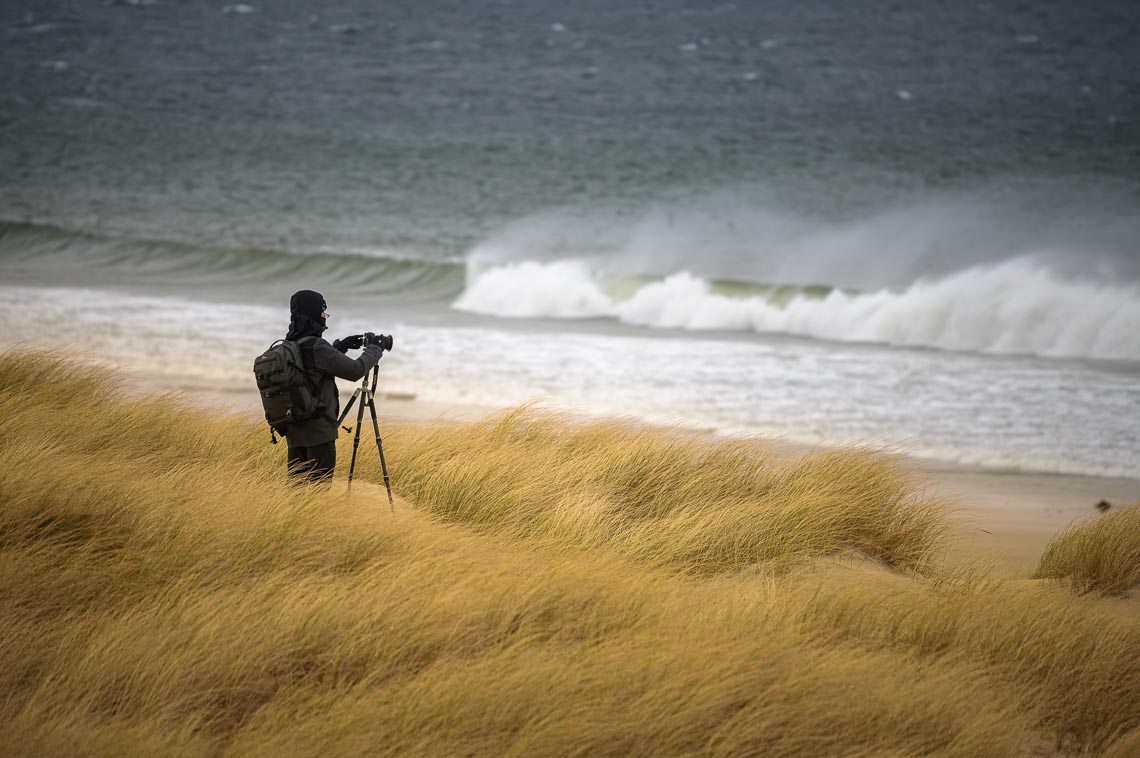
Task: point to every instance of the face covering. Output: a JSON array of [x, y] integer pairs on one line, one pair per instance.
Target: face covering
[[305, 309]]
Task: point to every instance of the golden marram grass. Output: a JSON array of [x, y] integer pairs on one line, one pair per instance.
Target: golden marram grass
[[545, 587], [1099, 554]]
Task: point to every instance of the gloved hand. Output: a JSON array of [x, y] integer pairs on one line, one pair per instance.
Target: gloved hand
[[351, 342]]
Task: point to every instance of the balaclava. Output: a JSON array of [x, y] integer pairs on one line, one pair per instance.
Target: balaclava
[[305, 309]]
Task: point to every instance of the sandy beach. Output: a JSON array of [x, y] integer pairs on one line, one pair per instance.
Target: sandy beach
[[1005, 518]]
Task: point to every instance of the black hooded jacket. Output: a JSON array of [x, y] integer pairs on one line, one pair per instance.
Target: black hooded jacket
[[323, 362]]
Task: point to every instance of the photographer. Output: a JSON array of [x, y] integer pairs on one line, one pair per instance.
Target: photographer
[[312, 442]]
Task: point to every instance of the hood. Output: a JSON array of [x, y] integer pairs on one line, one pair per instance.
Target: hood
[[305, 309]]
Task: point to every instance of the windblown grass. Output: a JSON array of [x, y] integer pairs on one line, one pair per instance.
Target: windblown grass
[[666, 498], [1035, 633], [1099, 554], [162, 593]]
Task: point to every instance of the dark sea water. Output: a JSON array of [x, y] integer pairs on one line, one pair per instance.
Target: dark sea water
[[908, 222], [428, 124]]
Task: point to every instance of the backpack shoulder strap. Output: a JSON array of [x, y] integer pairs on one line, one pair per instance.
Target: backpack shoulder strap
[[313, 375], [305, 348]]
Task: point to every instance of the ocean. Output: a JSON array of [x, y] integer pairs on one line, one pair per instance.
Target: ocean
[[913, 225]]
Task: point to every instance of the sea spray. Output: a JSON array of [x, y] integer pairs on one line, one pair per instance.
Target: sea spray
[[739, 236], [1015, 306], [563, 289]]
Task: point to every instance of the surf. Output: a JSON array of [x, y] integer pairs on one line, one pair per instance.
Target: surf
[[57, 256], [948, 273], [1012, 307]]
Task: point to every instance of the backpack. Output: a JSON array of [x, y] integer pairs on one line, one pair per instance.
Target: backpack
[[287, 395]]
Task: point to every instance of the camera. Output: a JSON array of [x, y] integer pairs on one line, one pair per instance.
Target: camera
[[383, 340]]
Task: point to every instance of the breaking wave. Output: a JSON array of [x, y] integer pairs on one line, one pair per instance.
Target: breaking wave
[[1016, 306], [60, 257]]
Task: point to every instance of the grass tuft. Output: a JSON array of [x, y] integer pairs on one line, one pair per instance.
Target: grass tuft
[[1100, 554]]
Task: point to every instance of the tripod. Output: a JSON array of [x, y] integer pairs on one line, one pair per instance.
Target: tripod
[[367, 397]]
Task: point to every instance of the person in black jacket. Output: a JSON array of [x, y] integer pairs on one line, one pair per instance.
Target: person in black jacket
[[312, 442]]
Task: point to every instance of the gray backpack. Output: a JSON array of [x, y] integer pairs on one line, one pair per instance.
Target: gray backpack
[[287, 394]]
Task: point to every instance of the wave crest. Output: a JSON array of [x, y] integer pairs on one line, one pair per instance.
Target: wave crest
[[1016, 306], [563, 289]]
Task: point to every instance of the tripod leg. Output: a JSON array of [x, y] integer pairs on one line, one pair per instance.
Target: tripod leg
[[380, 447], [347, 408], [356, 438]]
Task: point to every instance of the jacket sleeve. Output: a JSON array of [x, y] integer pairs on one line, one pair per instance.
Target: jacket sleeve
[[331, 361]]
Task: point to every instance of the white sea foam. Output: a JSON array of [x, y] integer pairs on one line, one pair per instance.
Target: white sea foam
[[1010, 411], [158, 335], [1016, 306], [563, 289]]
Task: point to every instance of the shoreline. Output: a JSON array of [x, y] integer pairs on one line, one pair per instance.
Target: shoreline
[[1004, 518]]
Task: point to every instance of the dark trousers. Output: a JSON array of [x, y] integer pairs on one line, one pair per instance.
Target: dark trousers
[[314, 463]]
